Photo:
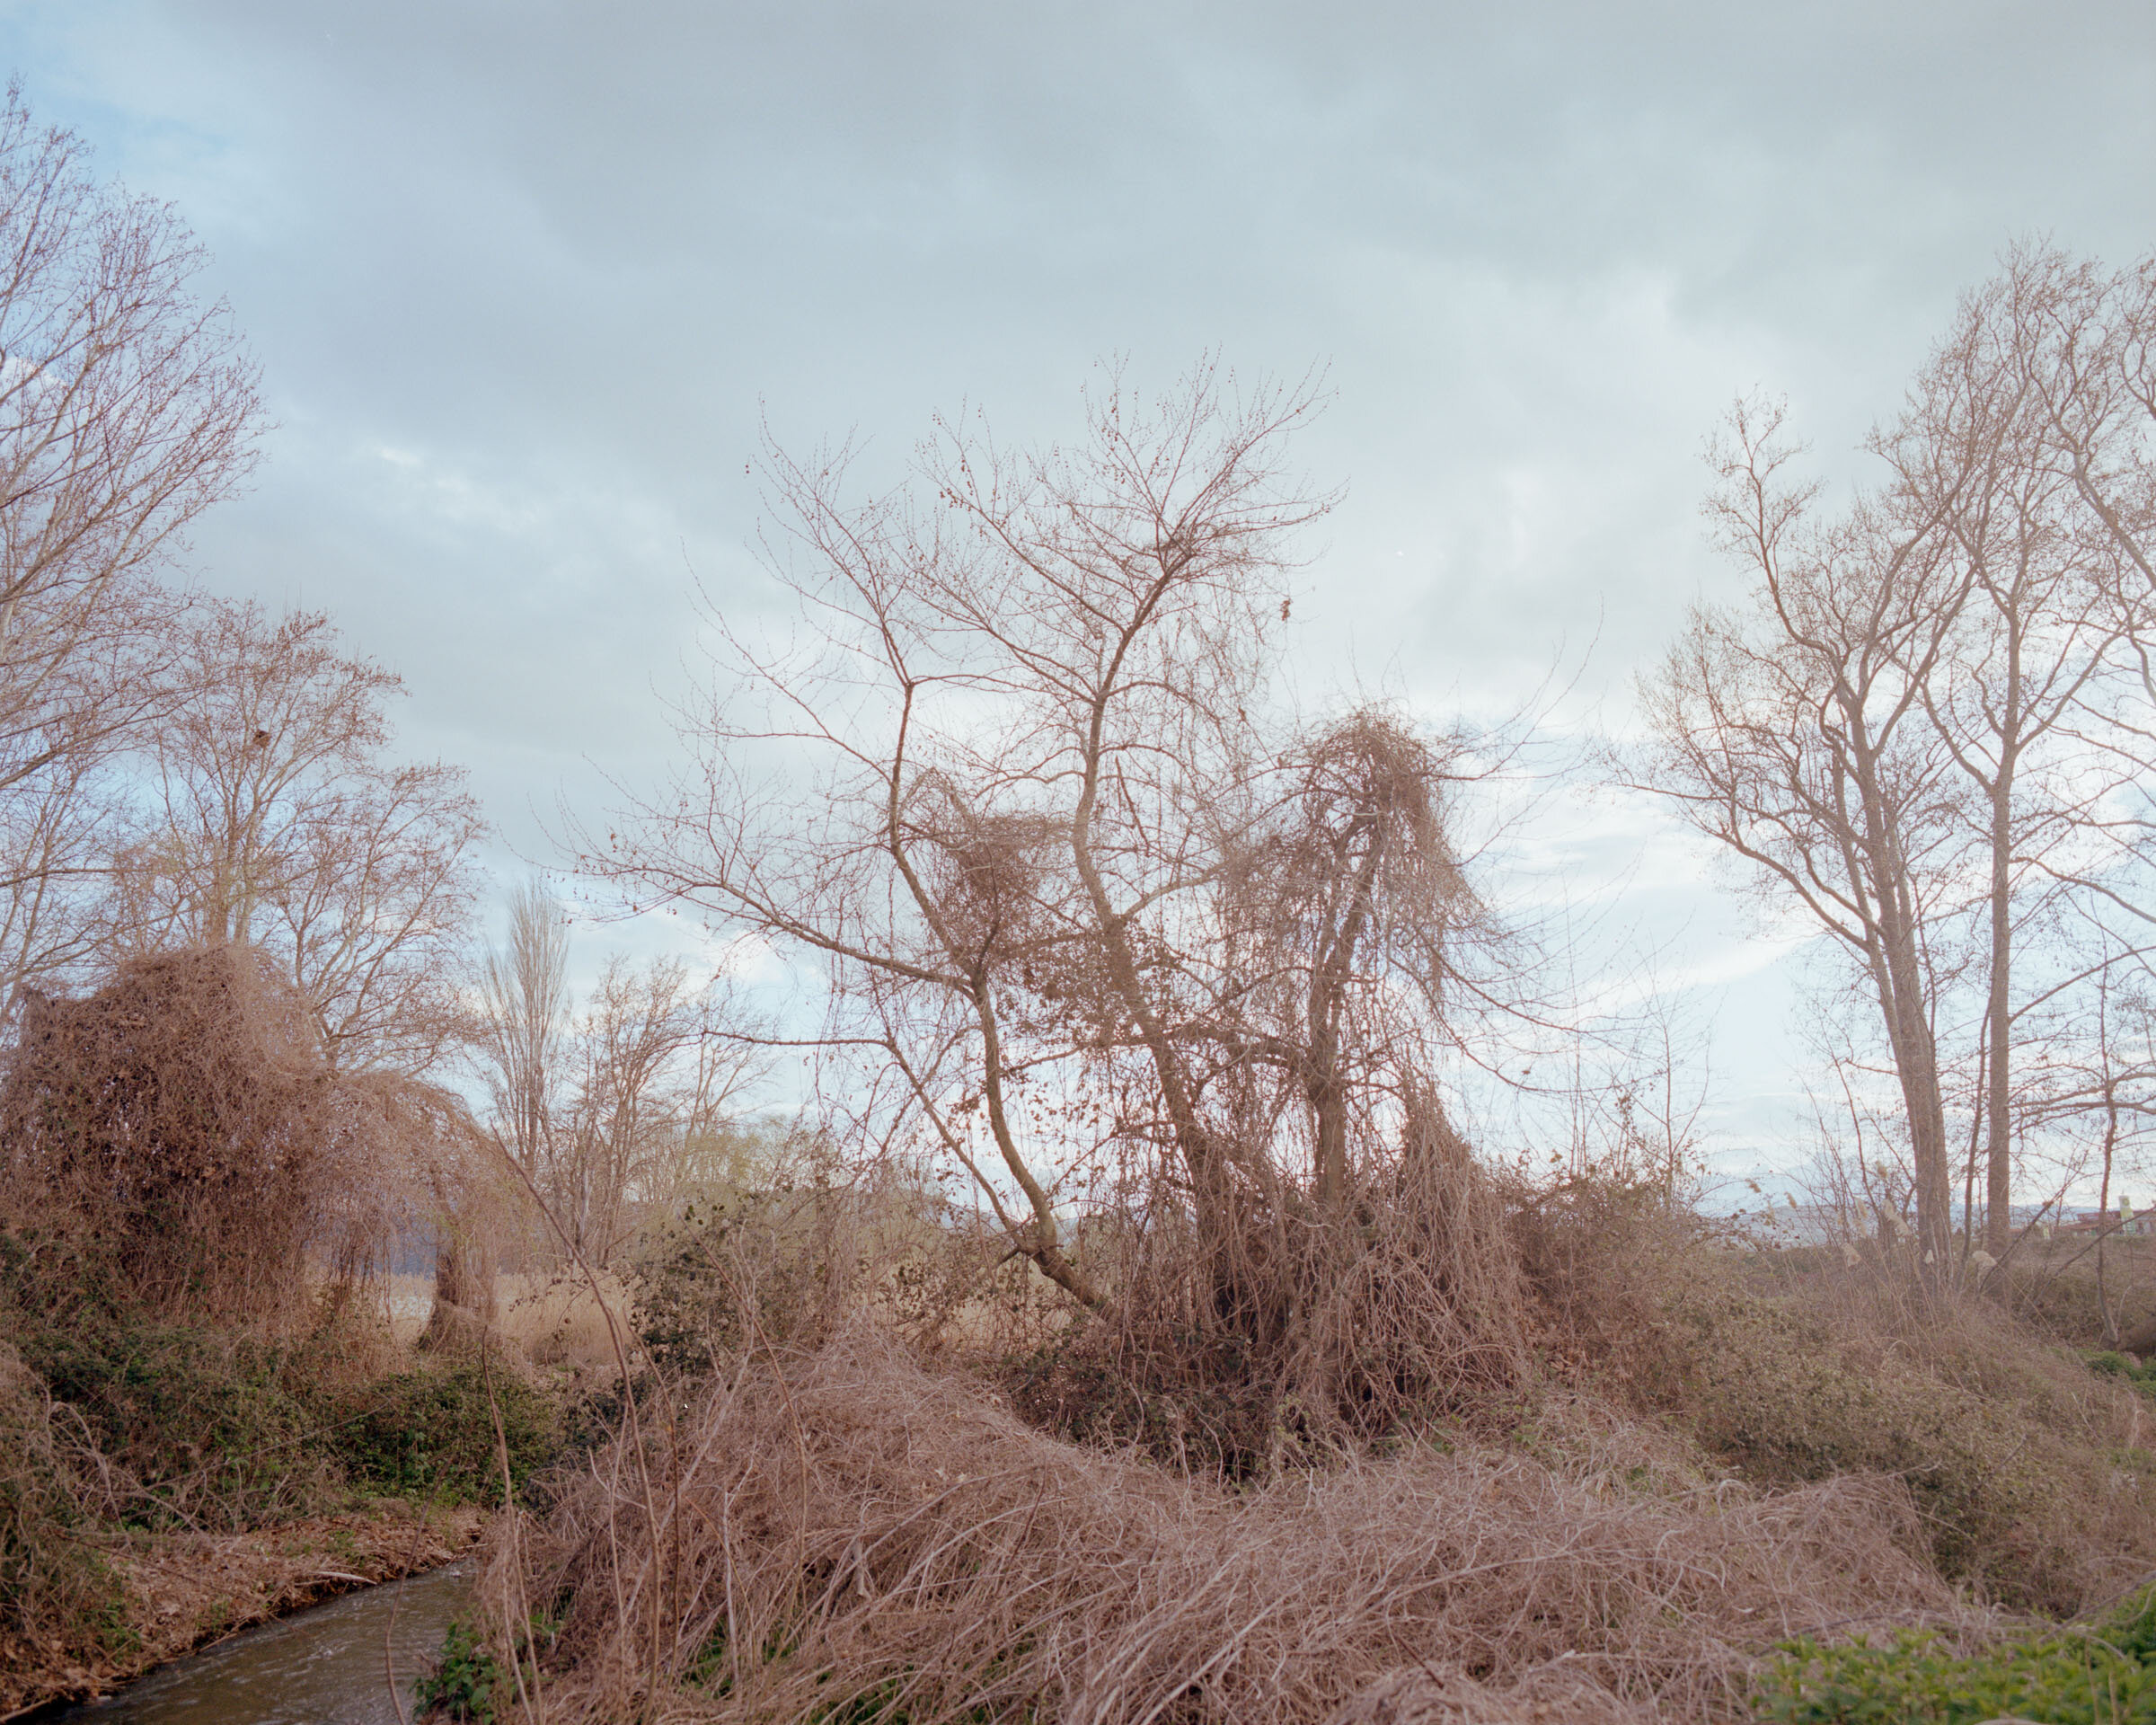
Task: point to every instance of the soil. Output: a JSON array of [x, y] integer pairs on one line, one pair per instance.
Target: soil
[[187, 1590]]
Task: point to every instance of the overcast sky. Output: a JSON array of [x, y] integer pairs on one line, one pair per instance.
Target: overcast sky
[[526, 277]]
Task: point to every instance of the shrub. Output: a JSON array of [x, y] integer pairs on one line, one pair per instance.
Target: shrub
[[467, 1682], [179, 1119], [199, 1425], [432, 1432], [888, 1539], [2009, 1451], [1796, 1367], [2100, 1675], [53, 1587]]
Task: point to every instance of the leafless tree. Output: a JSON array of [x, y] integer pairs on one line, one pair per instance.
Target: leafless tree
[[613, 1109], [126, 408], [1793, 731], [1026, 709], [1926, 729], [273, 818], [522, 1024], [2032, 700], [657, 1066]]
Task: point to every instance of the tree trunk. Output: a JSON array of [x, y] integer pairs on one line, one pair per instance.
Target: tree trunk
[[1998, 1119]]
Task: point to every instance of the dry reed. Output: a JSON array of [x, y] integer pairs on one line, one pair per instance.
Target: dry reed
[[842, 1529]]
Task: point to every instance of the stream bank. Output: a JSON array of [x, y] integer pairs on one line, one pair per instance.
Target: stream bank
[[186, 1591]]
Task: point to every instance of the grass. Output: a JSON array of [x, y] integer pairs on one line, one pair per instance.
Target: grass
[[1733, 1481], [891, 1525]]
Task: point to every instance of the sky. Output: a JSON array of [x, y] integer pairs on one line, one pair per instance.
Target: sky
[[527, 282]]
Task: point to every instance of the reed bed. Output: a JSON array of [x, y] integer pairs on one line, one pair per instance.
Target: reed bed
[[845, 1535]]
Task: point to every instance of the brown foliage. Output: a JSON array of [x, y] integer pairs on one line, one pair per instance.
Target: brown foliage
[[842, 1525], [175, 1118], [183, 1128], [1349, 1331], [2030, 1471]]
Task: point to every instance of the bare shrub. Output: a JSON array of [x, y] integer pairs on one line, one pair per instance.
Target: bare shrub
[[842, 1528], [181, 1128], [175, 1119], [1350, 1335]]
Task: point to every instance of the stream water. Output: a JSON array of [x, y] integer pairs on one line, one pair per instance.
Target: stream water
[[323, 1665]]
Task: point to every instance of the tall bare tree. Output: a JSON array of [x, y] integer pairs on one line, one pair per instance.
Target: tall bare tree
[[1793, 730], [1028, 699], [273, 818], [1928, 726], [658, 1065], [522, 1026], [126, 408], [609, 1110], [2031, 700]]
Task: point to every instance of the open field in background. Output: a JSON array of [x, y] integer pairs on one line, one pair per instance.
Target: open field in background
[[552, 1318]]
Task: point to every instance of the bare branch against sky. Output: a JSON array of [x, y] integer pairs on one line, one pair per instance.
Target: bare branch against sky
[[525, 289]]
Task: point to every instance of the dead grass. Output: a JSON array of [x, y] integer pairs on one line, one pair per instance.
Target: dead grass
[[853, 1531], [558, 1320], [2036, 1478]]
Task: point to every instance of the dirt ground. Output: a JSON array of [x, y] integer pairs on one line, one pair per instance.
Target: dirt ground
[[187, 1590]]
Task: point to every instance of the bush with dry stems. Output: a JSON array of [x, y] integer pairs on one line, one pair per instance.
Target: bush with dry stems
[[2035, 1476], [179, 1138], [1348, 1334], [841, 1533]]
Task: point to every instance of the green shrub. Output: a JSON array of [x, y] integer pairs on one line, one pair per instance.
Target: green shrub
[[468, 1682], [2101, 1676], [431, 1432], [53, 1587], [740, 1271], [206, 1425]]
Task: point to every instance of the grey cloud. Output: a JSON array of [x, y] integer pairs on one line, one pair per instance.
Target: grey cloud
[[527, 278]]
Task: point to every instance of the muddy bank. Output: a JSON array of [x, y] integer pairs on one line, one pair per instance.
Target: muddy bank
[[184, 1591]]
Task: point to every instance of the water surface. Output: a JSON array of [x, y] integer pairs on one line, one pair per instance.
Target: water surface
[[323, 1666]]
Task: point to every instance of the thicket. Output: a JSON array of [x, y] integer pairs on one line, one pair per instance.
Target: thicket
[[852, 1500], [192, 1200]]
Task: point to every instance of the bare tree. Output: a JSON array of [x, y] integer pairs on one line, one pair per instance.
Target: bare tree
[[1346, 911], [652, 1071], [1026, 709], [1794, 731], [1926, 731], [522, 1024], [2032, 699], [611, 1111], [126, 408], [273, 819]]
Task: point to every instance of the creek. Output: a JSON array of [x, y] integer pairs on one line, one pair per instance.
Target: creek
[[323, 1665]]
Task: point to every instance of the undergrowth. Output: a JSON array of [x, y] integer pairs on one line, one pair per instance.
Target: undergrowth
[[2098, 1674], [114, 1424]]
